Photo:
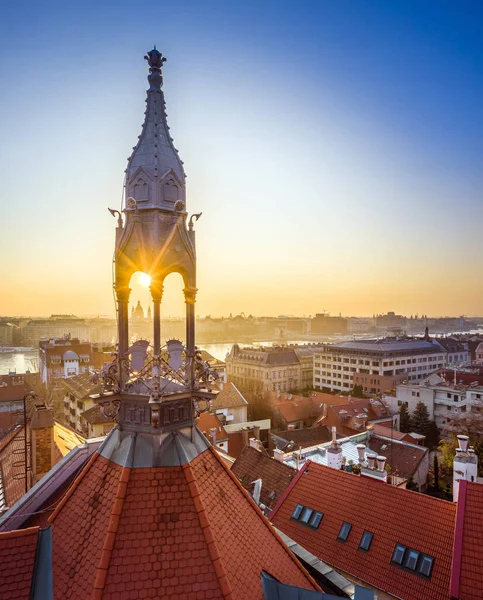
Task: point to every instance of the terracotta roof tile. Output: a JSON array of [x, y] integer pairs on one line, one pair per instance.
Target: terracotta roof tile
[[299, 409], [275, 476], [178, 532], [12, 462], [394, 515], [208, 421], [17, 559], [229, 397], [404, 458]]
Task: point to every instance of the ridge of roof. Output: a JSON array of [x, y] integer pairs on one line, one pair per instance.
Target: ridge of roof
[[74, 485], [114, 519], [200, 509], [458, 541], [110, 537]]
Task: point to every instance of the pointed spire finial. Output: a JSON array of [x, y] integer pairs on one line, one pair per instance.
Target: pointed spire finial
[[155, 61]]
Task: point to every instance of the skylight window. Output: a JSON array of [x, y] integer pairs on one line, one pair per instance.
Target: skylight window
[[315, 519], [426, 565], [307, 516], [411, 560], [398, 555], [344, 531], [366, 540]]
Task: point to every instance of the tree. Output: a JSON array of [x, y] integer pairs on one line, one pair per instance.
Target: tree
[[432, 436], [436, 474], [468, 423], [411, 484], [404, 419], [358, 391], [419, 421]]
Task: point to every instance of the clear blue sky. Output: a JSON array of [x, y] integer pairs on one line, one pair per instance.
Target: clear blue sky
[[334, 147]]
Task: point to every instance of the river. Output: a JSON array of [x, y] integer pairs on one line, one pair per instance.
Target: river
[[20, 362]]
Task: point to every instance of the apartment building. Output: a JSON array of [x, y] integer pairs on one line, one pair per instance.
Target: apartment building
[[444, 399], [61, 358], [275, 368], [336, 364]]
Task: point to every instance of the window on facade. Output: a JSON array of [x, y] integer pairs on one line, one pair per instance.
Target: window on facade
[[344, 531], [366, 540]]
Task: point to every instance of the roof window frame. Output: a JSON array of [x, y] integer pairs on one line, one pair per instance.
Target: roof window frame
[[342, 536], [365, 534]]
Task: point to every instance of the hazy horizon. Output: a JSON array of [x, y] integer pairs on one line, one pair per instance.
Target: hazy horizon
[[334, 149]]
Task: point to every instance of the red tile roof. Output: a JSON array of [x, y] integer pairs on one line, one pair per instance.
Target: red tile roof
[[467, 571], [403, 458], [178, 532], [12, 461], [13, 387], [17, 560], [275, 476], [346, 416], [392, 514], [207, 422], [299, 409], [229, 397]]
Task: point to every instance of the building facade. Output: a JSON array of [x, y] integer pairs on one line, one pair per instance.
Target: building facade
[[444, 400], [60, 358], [275, 368], [336, 365]]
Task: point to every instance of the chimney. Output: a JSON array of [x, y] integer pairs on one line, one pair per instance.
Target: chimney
[[42, 439], [257, 444], [257, 490], [334, 437], [360, 451], [213, 435], [371, 461], [381, 463], [244, 433], [220, 385], [334, 452], [278, 455], [465, 465], [291, 426]]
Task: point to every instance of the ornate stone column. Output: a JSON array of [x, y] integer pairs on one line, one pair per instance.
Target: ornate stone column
[[156, 294], [190, 299], [122, 296]]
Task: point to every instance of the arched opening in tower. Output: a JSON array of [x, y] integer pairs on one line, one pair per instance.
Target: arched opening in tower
[[140, 308], [173, 309]]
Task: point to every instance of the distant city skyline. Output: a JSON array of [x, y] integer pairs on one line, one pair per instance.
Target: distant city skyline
[[334, 149]]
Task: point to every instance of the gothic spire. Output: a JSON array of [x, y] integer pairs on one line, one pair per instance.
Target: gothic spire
[[155, 176]]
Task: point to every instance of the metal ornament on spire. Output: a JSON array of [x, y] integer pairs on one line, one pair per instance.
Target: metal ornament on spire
[[155, 61]]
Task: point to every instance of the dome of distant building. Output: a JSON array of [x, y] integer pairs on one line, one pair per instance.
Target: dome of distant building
[[70, 355]]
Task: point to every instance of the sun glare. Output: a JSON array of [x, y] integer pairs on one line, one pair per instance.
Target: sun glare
[[144, 279]]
